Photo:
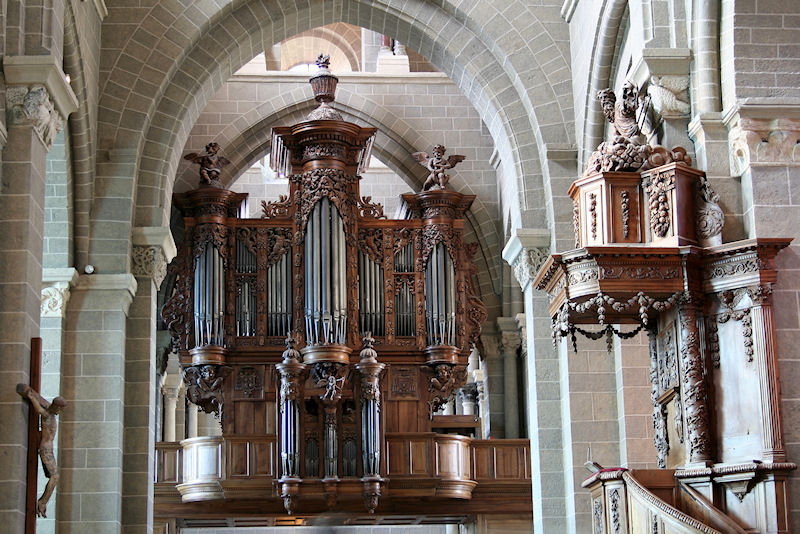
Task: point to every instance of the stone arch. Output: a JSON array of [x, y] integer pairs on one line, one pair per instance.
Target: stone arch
[[304, 47], [517, 91]]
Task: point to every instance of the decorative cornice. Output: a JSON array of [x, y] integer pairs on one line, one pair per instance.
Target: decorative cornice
[[660, 62], [153, 249], [526, 252], [56, 284], [44, 71], [124, 284]]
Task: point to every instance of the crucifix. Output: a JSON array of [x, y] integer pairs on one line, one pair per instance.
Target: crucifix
[[47, 411]]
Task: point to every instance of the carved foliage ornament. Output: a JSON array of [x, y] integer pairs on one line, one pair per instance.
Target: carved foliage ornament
[[658, 188], [369, 210], [149, 262], [54, 300], [445, 379], [33, 106], [528, 263], [694, 387]]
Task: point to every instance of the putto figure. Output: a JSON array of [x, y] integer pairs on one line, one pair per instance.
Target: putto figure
[[437, 165], [204, 386], [211, 164], [48, 412]]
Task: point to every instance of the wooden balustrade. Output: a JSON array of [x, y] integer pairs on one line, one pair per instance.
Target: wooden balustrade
[[416, 465]]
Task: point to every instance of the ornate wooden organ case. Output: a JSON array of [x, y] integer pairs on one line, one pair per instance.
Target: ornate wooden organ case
[[326, 336]]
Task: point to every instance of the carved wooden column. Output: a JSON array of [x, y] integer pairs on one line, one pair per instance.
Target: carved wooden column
[[370, 370], [290, 370], [766, 357], [693, 385]]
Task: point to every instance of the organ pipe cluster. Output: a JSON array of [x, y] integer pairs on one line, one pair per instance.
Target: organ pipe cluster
[[209, 298], [440, 297], [325, 276], [370, 295], [404, 301], [245, 290], [279, 297]]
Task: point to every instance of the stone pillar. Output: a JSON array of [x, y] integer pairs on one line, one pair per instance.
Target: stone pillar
[[37, 102], [493, 384], [192, 422], [93, 382], [467, 396], [509, 345], [171, 391], [520, 320], [153, 248], [525, 252]]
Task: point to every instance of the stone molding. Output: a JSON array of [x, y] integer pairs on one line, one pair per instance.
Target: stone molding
[[660, 62], [124, 284], [56, 284], [100, 6], [3, 135], [153, 249], [526, 251]]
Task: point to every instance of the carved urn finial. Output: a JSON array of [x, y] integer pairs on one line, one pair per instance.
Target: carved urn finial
[[323, 83], [290, 354], [368, 354]]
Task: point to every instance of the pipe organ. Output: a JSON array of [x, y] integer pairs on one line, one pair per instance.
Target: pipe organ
[[325, 336]]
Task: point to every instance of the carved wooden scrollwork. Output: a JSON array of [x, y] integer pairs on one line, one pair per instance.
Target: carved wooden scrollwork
[[476, 309], [277, 208], [369, 210], [693, 386], [210, 233], [334, 184], [174, 311], [278, 243], [433, 234], [370, 241], [443, 383]]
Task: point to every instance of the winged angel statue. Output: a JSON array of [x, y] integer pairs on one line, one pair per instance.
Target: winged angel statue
[[210, 164], [437, 165]]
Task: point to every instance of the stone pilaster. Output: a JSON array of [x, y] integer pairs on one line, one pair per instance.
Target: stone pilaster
[[526, 251], [468, 397], [509, 346], [33, 106], [152, 249], [56, 286], [93, 382]]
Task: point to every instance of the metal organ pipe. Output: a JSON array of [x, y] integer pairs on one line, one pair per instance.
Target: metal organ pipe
[[440, 297], [326, 275], [209, 298]]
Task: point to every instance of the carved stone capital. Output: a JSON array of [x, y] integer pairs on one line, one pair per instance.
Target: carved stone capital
[[153, 249], [763, 132], [31, 106], [510, 339], [56, 284], [526, 251], [37, 95]]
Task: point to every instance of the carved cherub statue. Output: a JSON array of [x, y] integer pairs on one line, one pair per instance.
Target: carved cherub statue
[[327, 378], [48, 412], [204, 386], [443, 378], [437, 165], [210, 164]]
